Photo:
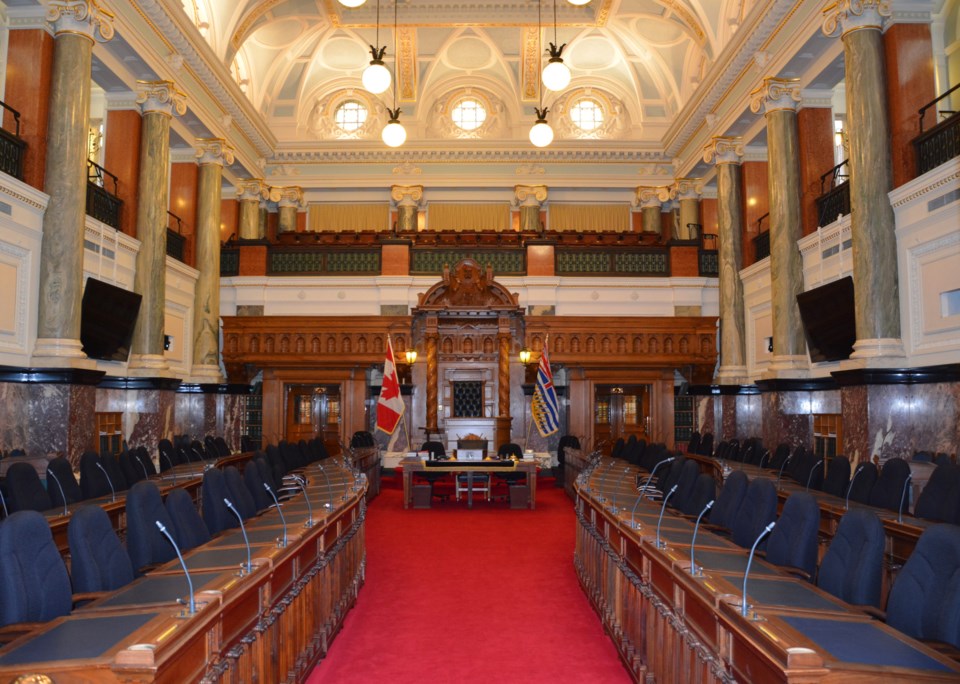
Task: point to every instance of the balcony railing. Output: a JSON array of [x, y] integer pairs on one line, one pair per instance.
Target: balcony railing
[[761, 245], [101, 203], [175, 239], [618, 261], [709, 263], [834, 199], [11, 146], [942, 142]]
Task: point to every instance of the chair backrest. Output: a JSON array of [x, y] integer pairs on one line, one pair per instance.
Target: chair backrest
[[142, 455], [34, 584], [277, 464], [63, 472], [939, 498], [688, 478], [888, 491], [291, 456], [168, 455], [222, 446], [213, 451], [25, 491], [509, 450], [924, 601], [798, 462], [254, 483], [666, 479], [566, 441], [862, 481], [780, 455], [238, 493], [704, 490], [215, 513], [793, 542], [196, 446], [759, 509], [362, 438], [618, 447], [693, 443], [132, 470], [266, 473], [731, 495], [852, 567], [706, 444], [93, 483], [188, 527], [145, 543], [837, 478], [435, 449], [98, 561], [117, 478]]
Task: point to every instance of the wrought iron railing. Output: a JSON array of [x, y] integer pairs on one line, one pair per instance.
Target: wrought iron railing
[[834, 199], [761, 245], [593, 261], [102, 204], [504, 260], [229, 262], [175, 238], [323, 261], [709, 263], [942, 142], [12, 146]]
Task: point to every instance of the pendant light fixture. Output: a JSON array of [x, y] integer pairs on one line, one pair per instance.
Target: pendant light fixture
[[556, 75], [376, 77], [356, 3], [394, 134], [541, 134], [578, 3]]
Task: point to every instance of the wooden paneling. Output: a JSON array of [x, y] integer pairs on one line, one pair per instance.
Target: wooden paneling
[[183, 203], [229, 211], [540, 260], [29, 68], [253, 260], [684, 262], [815, 135], [395, 260], [121, 157], [755, 205], [708, 215]]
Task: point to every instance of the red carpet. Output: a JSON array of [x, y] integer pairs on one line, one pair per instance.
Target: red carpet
[[482, 595]]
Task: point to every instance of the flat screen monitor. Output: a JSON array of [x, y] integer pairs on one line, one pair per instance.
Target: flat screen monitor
[[107, 317], [829, 321]]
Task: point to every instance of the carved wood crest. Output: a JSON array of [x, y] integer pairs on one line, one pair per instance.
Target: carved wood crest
[[468, 288]]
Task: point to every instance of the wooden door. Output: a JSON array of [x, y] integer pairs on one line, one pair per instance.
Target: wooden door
[[313, 410], [621, 411]]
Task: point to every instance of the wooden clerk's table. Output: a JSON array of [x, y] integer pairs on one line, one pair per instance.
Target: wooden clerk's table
[[272, 624], [674, 627], [415, 465]]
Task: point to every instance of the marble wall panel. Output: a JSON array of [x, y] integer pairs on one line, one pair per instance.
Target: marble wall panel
[[787, 418], [749, 416], [728, 419], [192, 415], [47, 419], [854, 412], [705, 414], [908, 418], [233, 407], [148, 415]]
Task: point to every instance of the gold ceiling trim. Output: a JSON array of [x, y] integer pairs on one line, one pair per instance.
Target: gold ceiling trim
[[407, 64], [529, 65], [240, 35], [687, 17]]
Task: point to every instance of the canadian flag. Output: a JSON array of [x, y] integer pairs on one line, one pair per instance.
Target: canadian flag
[[390, 405]]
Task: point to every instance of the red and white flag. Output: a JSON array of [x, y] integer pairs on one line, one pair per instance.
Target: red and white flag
[[390, 405]]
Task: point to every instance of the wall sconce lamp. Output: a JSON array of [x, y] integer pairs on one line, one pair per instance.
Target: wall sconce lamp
[[405, 371], [411, 355], [525, 355]]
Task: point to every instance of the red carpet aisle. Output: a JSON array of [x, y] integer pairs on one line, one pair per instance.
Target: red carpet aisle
[[482, 595]]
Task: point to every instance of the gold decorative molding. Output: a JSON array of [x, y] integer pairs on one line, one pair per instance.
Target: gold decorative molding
[[648, 197], [407, 64], [252, 189], [213, 151], [851, 15], [83, 17], [530, 65], [162, 97], [776, 94], [723, 150], [406, 195], [530, 195], [686, 188]]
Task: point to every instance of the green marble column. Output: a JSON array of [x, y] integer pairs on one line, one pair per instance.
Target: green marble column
[[249, 192], [778, 98], [158, 100], [408, 199], [290, 199], [530, 199], [212, 155], [687, 193], [75, 26], [650, 201], [727, 154], [872, 223]]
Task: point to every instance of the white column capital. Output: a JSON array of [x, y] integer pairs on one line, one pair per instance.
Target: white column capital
[[406, 195], [289, 196], [723, 150], [775, 94], [648, 198], [851, 15], [162, 97], [686, 189], [83, 17], [252, 189], [530, 195], [213, 151]]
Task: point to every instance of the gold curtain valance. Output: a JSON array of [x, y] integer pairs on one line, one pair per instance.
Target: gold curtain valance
[[469, 217], [333, 218], [587, 218]]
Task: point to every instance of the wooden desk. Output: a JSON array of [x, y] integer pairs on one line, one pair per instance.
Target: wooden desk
[[415, 465], [270, 625], [671, 626]]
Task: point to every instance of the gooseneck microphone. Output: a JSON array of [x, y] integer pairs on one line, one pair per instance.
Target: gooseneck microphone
[[856, 474], [4, 502], [693, 540], [328, 503], [633, 512], [243, 529], [663, 508], [170, 461], [812, 471], [146, 475], [60, 487], [903, 494], [780, 473], [766, 454], [744, 608], [653, 472], [113, 492], [613, 507], [303, 488], [279, 510], [163, 531]]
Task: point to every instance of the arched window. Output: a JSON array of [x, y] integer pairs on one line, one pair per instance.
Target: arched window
[[468, 114], [350, 116], [586, 114]]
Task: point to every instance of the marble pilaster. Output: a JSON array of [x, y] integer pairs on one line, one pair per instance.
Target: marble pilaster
[[727, 154], [212, 154], [530, 199], [687, 191], [249, 193], [289, 202], [779, 97], [876, 287], [76, 25], [158, 100], [650, 201], [408, 199]]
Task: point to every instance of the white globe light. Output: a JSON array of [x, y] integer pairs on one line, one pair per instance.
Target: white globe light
[[376, 78], [572, 2], [394, 134], [356, 3], [541, 134], [556, 75]]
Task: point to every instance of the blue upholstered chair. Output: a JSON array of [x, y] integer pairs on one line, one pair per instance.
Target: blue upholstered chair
[[60, 469], [25, 491], [793, 542], [188, 527], [837, 478], [941, 495], [216, 515], [759, 509], [133, 470], [862, 481], [238, 493], [731, 495], [145, 543], [852, 567], [98, 561], [117, 478], [888, 490], [168, 455], [93, 482], [704, 490], [685, 483], [142, 455], [254, 483]]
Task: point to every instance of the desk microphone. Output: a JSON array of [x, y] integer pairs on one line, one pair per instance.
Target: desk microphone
[[329, 489], [780, 473], [242, 529], [812, 471], [113, 493], [693, 540], [766, 454], [163, 531], [602, 477], [633, 511], [303, 488], [663, 508], [903, 494], [282, 519], [613, 507], [4, 502], [60, 487], [856, 473], [146, 475], [170, 461], [744, 608], [653, 472]]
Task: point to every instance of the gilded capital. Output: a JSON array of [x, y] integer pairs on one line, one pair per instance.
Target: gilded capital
[[530, 195], [851, 15], [84, 17], [776, 94], [289, 196], [162, 97], [252, 189], [649, 198], [406, 195], [686, 189], [214, 151], [723, 150]]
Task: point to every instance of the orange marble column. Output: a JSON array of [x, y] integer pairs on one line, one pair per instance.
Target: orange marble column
[[815, 135], [123, 160], [29, 69]]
